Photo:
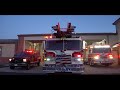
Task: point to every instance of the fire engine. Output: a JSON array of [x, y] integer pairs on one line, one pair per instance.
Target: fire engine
[[63, 51], [99, 53], [25, 59]]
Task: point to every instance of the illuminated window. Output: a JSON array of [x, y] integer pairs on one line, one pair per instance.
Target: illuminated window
[[0, 51]]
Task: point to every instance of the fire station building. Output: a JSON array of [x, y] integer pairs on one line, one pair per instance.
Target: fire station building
[[8, 47]]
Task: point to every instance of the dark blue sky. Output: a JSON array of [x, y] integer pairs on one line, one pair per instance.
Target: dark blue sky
[[12, 25]]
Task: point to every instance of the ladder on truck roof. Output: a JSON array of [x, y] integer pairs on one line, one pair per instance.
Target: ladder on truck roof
[[63, 32]]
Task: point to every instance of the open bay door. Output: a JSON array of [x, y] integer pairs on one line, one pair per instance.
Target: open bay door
[[36, 45]]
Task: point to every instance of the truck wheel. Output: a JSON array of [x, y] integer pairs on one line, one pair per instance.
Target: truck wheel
[[38, 63], [107, 65], [12, 67], [28, 67], [91, 63], [85, 63]]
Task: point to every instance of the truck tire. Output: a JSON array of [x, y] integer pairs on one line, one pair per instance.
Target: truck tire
[[107, 65], [91, 63], [28, 66], [12, 67], [38, 64]]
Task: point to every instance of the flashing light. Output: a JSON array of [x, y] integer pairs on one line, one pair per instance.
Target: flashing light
[[51, 54], [110, 56], [50, 36], [96, 57], [76, 54], [24, 60], [45, 59], [29, 51], [48, 59], [79, 59], [115, 46], [10, 59], [46, 37], [105, 46], [91, 46]]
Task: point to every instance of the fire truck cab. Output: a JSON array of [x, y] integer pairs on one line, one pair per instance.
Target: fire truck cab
[[100, 53], [63, 52]]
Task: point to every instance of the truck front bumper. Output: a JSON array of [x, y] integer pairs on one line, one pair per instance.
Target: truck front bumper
[[65, 68], [18, 64], [104, 61]]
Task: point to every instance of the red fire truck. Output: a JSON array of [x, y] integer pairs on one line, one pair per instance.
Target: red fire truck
[[25, 59], [99, 53], [63, 51]]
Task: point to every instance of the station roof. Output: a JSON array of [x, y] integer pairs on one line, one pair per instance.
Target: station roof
[[118, 20], [27, 35], [8, 41]]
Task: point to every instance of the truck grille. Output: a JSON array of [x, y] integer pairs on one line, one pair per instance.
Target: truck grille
[[63, 59], [17, 60], [103, 56]]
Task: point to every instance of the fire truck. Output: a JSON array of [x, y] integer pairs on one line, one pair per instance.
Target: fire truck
[[63, 51], [25, 59], [99, 53]]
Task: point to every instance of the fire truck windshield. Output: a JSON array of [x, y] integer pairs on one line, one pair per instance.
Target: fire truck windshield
[[63, 44], [101, 50]]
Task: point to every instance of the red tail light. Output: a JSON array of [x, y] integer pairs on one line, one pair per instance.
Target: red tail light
[[110, 56], [52, 54], [77, 54]]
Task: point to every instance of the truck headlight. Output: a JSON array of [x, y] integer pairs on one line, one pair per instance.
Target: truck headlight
[[24, 60], [96, 57], [10, 59], [48, 59], [79, 59]]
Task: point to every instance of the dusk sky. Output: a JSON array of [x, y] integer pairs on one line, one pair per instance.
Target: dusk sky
[[13, 25]]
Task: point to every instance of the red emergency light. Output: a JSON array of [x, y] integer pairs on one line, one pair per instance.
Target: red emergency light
[[47, 37], [50, 36], [77, 54], [110, 56], [51, 54], [29, 51]]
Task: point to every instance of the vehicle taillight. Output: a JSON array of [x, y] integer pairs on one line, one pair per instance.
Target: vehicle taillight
[[51, 54], [110, 56], [77, 54]]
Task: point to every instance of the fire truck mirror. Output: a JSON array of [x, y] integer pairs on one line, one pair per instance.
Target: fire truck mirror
[[62, 50], [44, 50], [82, 51]]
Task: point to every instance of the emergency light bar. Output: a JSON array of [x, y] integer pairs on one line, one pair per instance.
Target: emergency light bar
[[105, 46]]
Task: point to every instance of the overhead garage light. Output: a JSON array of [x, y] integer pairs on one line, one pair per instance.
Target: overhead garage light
[[105, 46], [116, 45]]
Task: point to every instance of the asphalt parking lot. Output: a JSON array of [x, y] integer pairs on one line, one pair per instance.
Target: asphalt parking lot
[[110, 70]]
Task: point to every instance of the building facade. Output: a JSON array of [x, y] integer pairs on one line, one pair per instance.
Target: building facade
[[8, 47]]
